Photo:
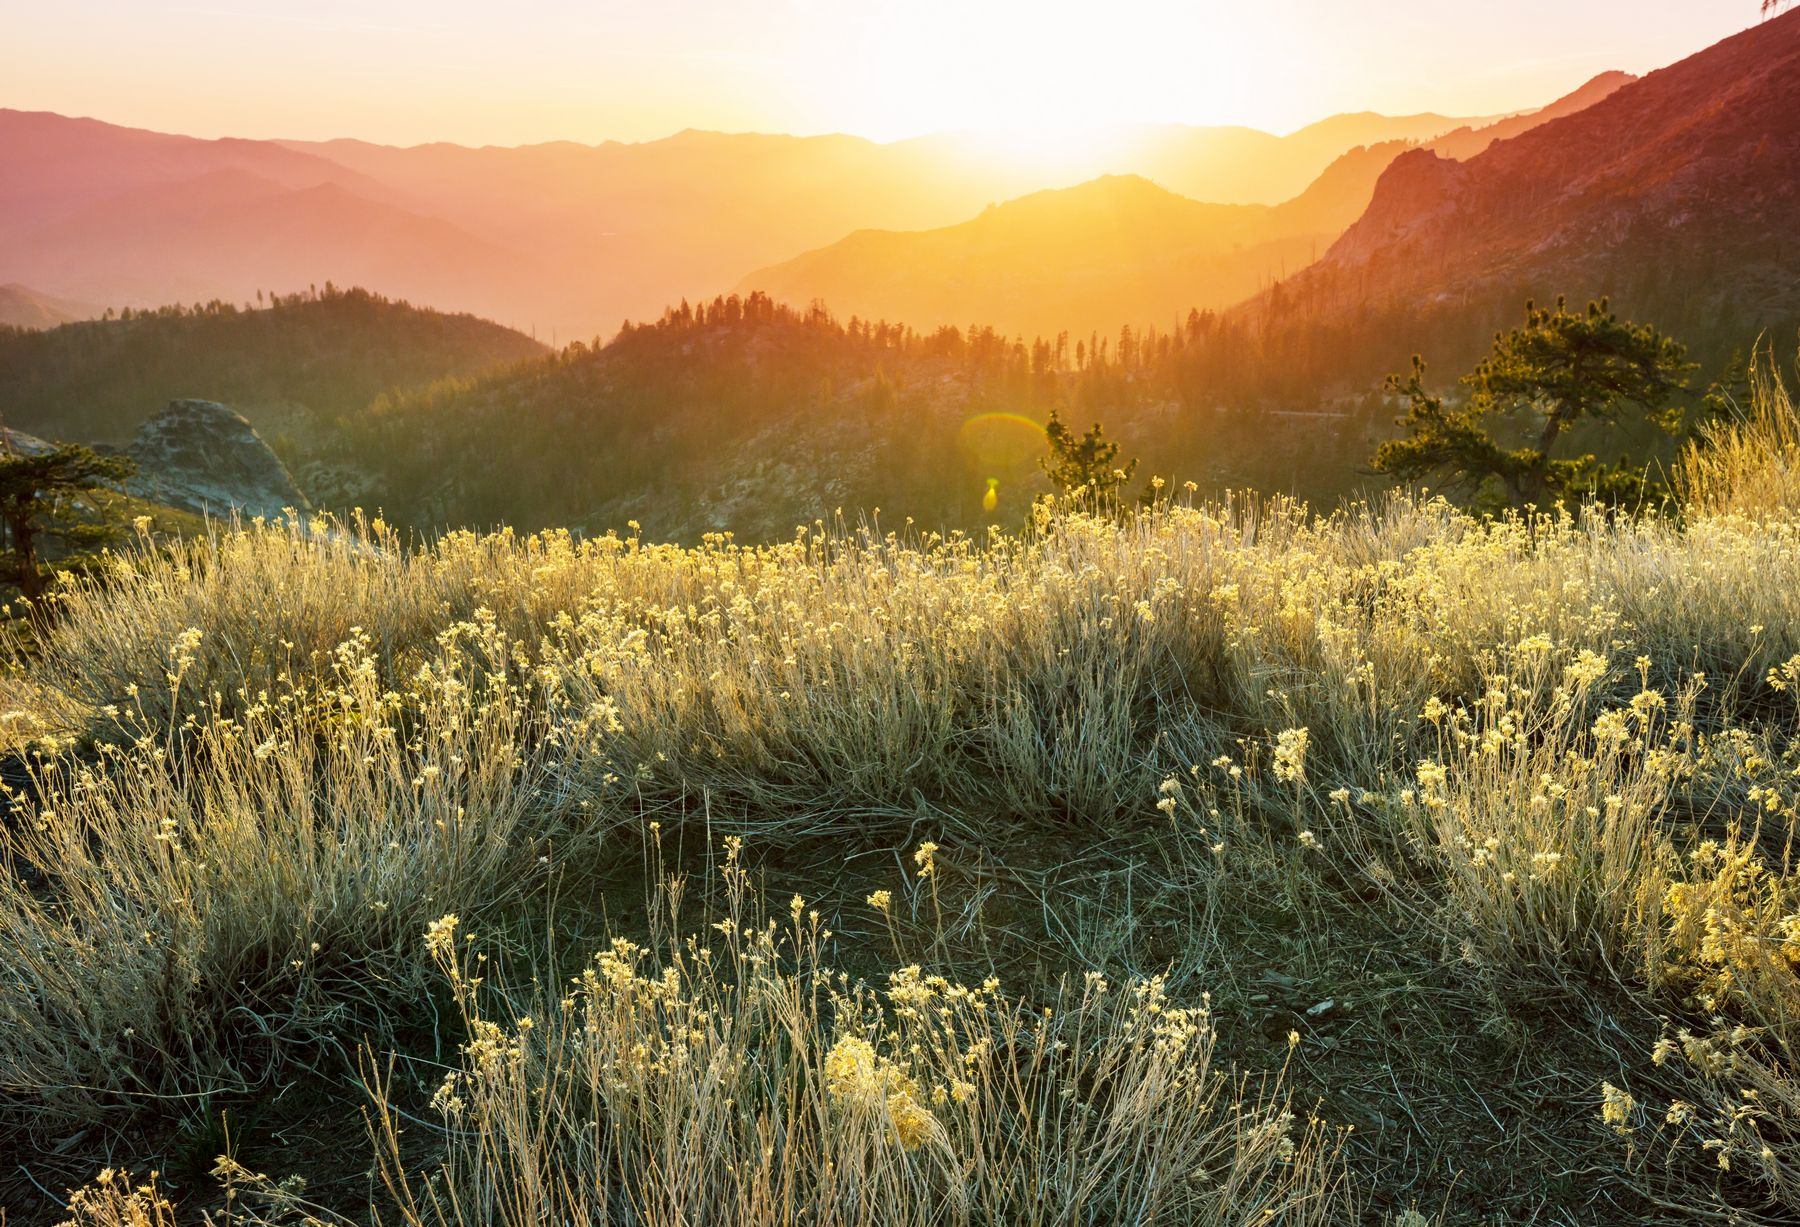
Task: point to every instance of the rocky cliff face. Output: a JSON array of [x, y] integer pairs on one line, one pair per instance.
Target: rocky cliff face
[[1677, 196], [1418, 191], [24, 444], [202, 457], [1699, 163]]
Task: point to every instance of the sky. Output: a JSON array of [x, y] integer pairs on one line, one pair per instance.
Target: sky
[[500, 72]]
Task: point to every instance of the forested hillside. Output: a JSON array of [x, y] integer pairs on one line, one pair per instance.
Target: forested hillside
[[747, 415], [292, 367]]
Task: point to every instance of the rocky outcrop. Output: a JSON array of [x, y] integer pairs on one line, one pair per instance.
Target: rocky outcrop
[[1415, 193], [200, 456], [24, 444], [1675, 196]]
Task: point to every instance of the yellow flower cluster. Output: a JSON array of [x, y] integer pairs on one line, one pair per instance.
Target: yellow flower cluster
[[1290, 755], [856, 1074], [1733, 929], [111, 1200]]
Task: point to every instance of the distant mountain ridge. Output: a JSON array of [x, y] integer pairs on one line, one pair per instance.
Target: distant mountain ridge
[[562, 238], [1677, 194], [1119, 250], [1115, 250], [23, 307], [1465, 143]]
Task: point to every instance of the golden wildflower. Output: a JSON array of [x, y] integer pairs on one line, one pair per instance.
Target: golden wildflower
[[1616, 1107], [912, 1123], [440, 935], [1290, 755], [925, 857]]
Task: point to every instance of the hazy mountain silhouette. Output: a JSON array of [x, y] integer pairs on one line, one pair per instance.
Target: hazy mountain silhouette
[[229, 232], [57, 165], [23, 307], [1117, 250], [569, 238]]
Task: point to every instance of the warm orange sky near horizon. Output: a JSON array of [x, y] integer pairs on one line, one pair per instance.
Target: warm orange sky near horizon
[[483, 72]]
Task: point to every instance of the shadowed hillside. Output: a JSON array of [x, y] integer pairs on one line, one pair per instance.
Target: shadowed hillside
[[747, 415], [1677, 195], [292, 368]]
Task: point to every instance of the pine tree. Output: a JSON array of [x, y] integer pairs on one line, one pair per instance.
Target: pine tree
[[1564, 367], [1085, 467], [35, 492]]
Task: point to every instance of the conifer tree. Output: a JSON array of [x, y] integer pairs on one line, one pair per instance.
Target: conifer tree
[[35, 495], [1560, 369], [1087, 465]]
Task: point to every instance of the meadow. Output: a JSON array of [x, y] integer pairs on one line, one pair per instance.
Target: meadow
[[1192, 863]]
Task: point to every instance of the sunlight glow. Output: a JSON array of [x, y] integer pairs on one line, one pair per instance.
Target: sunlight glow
[[1034, 72], [405, 71]]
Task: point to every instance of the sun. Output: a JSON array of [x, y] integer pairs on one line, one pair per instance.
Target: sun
[[1037, 77], [1052, 154]]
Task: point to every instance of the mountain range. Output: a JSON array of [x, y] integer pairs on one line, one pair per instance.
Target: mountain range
[[23, 307], [1115, 250], [1677, 194], [561, 239]]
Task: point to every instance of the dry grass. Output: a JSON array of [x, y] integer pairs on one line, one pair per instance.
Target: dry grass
[[181, 911], [1749, 464], [741, 1081], [1525, 787]]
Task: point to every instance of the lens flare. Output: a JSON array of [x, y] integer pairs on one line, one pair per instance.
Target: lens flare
[[1001, 442]]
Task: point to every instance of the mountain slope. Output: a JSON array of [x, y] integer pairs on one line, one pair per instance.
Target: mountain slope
[[1117, 250], [1466, 142], [58, 164], [571, 238], [1678, 195], [23, 307], [293, 369], [230, 232]]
